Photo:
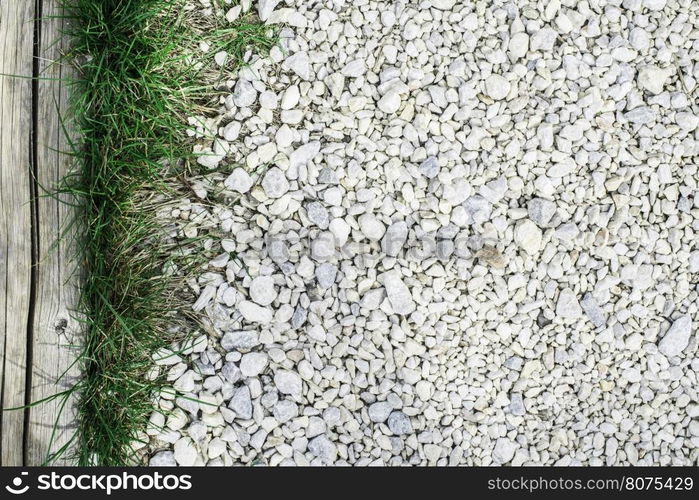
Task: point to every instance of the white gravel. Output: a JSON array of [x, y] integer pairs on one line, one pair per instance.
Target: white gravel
[[453, 233]]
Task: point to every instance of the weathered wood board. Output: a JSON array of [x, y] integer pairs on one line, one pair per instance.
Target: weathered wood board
[[16, 58], [38, 277], [55, 339]]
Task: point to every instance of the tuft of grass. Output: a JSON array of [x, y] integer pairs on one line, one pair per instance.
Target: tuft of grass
[[136, 87]]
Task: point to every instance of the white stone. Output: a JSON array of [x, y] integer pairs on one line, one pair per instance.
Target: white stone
[[398, 293], [284, 137], [185, 452], [497, 87], [504, 450], [568, 306], [244, 94], [253, 363], [239, 180], [233, 13], [354, 69], [652, 79], [254, 313], [163, 459], [543, 39], [518, 46], [262, 290], [443, 4], [232, 131], [640, 115], [290, 97], [528, 236], [288, 382], [389, 103], [654, 5], [300, 64], [265, 8], [371, 227], [275, 183], [676, 339], [268, 100], [340, 230], [303, 154], [323, 247]]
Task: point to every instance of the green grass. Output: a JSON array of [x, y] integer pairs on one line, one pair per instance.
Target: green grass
[[135, 90]]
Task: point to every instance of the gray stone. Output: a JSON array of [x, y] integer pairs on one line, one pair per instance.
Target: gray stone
[[478, 208], [240, 340], [517, 404], [399, 423], [326, 274], [640, 115], [318, 214], [241, 403], [394, 238], [275, 183], [541, 211], [593, 311], [285, 410], [299, 317], [430, 167], [324, 449], [231, 372], [379, 412], [327, 176]]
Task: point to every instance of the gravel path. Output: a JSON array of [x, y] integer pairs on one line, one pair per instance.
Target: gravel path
[[457, 233]]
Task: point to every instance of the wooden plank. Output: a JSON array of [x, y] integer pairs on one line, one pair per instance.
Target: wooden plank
[[16, 50], [55, 328]]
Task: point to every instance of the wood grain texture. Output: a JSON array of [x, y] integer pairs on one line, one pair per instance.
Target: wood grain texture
[[55, 327], [16, 56]]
